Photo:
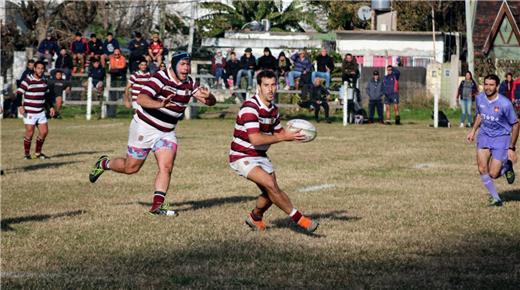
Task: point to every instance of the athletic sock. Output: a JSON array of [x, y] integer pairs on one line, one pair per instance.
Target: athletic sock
[[295, 215], [488, 183], [105, 164], [158, 199], [255, 217], [39, 145], [505, 167], [27, 146]]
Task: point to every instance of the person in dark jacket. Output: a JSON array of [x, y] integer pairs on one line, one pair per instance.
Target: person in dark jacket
[[138, 48], [375, 97], [79, 49], [29, 70], [247, 67], [349, 70], [218, 68], [391, 90], [319, 98], [232, 68], [506, 87], [64, 63], [284, 65], [47, 49], [267, 61], [97, 73], [302, 68], [466, 93], [325, 65], [109, 45], [58, 85], [95, 47]]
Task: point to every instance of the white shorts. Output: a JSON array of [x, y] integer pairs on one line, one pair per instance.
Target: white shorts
[[143, 138], [244, 165], [135, 105], [34, 118]]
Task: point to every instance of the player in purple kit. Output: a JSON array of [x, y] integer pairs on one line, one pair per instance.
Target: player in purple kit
[[162, 101], [496, 139]]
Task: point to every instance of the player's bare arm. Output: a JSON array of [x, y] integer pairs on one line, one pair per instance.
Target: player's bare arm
[[204, 96], [284, 135], [126, 98], [146, 101], [476, 125], [511, 153]]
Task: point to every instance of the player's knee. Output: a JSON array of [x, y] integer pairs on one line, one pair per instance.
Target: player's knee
[[167, 168], [482, 169], [494, 175]]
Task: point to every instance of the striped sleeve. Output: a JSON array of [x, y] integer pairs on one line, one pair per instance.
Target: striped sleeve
[[132, 79], [277, 124], [249, 118], [23, 87], [152, 87]]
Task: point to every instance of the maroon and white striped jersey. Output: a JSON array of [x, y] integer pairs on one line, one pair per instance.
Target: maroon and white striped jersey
[[253, 117], [34, 92], [137, 79], [160, 86]]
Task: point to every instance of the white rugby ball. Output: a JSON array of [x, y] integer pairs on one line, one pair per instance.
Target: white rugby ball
[[305, 127]]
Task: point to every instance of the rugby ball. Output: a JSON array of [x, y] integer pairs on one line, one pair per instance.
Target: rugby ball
[[305, 127]]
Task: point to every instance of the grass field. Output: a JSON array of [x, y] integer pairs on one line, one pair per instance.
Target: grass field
[[400, 207]]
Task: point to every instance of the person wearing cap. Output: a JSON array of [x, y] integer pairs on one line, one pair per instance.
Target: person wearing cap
[[247, 67], [375, 97], [325, 65], [78, 49], [47, 49], [302, 67], [162, 101], [138, 48], [95, 48]]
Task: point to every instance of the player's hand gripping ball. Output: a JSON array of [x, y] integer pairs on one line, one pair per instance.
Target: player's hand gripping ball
[[305, 127]]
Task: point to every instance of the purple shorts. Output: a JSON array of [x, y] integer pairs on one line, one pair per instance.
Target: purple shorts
[[497, 145]]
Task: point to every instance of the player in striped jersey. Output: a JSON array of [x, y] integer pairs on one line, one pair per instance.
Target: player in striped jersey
[[162, 101], [257, 127], [137, 79], [32, 96]]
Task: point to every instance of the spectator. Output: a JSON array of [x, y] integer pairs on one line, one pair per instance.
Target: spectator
[[78, 49], [319, 97], [57, 85], [302, 68], [284, 65], [506, 87], [325, 65], [29, 70], [375, 97], [134, 85], [97, 73], [95, 48], [267, 61], [391, 90], [349, 70], [162, 66], [466, 93], [138, 48], [108, 47], [64, 63], [218, 65], [47, 49], [117, 68], [232, 68], [247, 67], [515, 96], [156, 49]]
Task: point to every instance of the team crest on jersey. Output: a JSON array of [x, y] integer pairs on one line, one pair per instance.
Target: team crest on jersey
[[497, 109]]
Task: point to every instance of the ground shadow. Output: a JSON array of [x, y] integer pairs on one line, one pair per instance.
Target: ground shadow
[[510, 195], [76, 153], [340, 215], [206, 203], [6, 223], [39, 166]]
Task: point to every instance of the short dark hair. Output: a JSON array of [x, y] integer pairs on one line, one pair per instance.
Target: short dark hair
[[348, 54], [30, 61], [78, 34], [110, 33], [39, 62], [493, 77], [509, 74], [269, 74], [389, 66], [232, 53], [138, 34], [142, 59], [92, 35]]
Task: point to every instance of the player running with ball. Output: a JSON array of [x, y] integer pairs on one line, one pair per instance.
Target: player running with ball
[[496, 139], [257, 127], [162, 101]]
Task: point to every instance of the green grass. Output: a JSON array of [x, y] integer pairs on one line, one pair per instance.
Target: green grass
[[406, 210]]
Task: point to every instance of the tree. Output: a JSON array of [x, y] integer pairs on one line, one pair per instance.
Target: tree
[[342, 15], [224, 17]]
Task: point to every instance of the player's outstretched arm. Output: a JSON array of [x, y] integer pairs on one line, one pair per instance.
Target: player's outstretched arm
[[205, 96], [126, 96], [146, 101], [284, 135]]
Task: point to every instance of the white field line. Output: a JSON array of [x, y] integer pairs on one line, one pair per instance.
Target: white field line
[[316, 187]]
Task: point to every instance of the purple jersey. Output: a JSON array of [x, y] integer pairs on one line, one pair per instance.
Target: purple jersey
[[497, 116]]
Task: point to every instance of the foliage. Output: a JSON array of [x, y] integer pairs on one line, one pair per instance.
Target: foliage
[[224, 17], [342, 15]]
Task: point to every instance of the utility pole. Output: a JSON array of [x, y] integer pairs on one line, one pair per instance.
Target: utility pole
[[433, 34], [470, 17], [193, 5], [105, 15], [162, 19]]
